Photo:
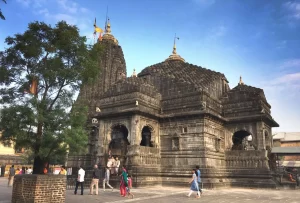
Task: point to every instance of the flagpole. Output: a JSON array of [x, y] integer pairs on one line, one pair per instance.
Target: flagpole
[[106, 17]]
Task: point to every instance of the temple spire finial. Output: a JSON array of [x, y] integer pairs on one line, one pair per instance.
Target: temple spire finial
[[134, 73], [174, 46], [174, 55], [107, 27], [107, 35], [241, 81]]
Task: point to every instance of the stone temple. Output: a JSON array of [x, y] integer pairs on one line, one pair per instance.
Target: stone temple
[[173, 116]]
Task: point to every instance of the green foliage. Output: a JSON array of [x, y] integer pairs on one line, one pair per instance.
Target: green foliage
[[60, 60], [1, 14]]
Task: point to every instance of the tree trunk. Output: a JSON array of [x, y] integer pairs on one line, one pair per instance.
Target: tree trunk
[[38, 163]]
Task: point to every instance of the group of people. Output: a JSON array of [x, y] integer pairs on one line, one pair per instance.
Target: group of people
[[125, 181], [113, 165], [12, 172]]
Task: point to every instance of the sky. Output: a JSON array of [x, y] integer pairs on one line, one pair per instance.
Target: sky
[[256, 39]]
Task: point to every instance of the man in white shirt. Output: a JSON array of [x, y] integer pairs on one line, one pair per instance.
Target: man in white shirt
[[29, 171], [80, 180]]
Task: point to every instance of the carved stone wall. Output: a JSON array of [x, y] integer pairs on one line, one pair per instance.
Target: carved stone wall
[[134, 124], [111, 63], [247, 159], [250, 127]]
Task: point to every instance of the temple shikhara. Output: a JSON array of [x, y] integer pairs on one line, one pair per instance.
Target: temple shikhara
[[172, 116]]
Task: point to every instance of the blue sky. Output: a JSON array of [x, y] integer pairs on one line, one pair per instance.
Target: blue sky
[[258, 39]]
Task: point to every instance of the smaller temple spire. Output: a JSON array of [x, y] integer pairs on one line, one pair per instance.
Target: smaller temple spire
[[107, 35], [174, 55], [107, 27], [174, 46], [134, 73], [241, 81]]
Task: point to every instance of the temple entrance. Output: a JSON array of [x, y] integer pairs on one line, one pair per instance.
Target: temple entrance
[[146, 137], [119, 142], [240, 140]]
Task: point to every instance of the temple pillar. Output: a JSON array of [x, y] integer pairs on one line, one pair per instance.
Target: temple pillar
[[260, 138], [134, 130]]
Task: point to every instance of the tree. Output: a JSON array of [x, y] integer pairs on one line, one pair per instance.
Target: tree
[[40, 72], [1, 14]]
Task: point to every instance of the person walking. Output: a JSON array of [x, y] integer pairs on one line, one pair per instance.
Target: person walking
[[11, 176], [95, 180], [80, 180], [106, 179], [124, 182], [199, 179], [194, 184], [129, 187]]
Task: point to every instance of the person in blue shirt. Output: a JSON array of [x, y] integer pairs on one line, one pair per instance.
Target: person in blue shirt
[[199, 179]]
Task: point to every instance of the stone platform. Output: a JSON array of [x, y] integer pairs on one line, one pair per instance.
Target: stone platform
[[39, 189]]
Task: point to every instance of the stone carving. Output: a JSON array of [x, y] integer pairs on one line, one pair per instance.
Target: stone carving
[[94, 120]]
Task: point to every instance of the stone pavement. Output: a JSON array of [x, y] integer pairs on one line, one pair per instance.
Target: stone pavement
[[172, 195]]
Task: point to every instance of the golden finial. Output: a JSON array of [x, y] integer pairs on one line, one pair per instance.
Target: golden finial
[[107, 27], [134, 73], [174, 55], [241, 81], [174, 46], [107, 35]]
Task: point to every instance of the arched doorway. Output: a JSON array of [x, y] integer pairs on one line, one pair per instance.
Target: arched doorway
[[146, 137], [240, 140], [119, 142]]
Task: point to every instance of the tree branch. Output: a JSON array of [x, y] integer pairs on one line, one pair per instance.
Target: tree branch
[[51, 150], [58, 93]]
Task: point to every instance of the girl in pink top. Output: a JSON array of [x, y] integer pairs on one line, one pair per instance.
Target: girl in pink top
[[129, 186]]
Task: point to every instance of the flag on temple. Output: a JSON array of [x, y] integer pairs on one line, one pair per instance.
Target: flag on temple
[[33, 87], [97, 29], [100, 37]]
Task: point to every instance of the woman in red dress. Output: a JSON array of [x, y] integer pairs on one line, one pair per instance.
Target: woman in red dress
[[124, 182]]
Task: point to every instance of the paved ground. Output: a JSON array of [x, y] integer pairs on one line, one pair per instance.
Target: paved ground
[[172, 195]]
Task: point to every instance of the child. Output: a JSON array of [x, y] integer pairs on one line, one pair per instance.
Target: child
[[129, 186]]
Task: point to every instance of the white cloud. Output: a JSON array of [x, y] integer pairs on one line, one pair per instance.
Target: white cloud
[[281, 44], [61, 16], [32, 3], [84, 10], [217, 32], [288, 78], [66, 10], [68, 6], [293, 9], [290, 64], [44, 12], [24, 2]]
